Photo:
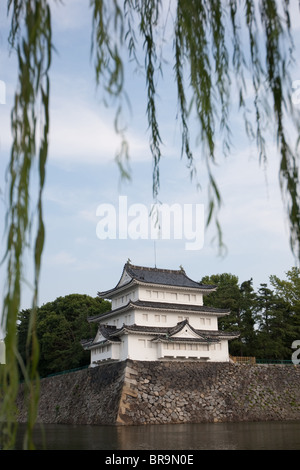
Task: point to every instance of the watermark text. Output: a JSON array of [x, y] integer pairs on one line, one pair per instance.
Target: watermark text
[[295, 358], [2, 92], [2, 352], [159, 221], [296, 92]]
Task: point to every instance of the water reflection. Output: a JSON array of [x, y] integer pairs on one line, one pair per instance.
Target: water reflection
[[212, 436]]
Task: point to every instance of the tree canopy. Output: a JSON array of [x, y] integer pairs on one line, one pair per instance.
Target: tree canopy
[[217, 46], [61, 325], [268, 319]]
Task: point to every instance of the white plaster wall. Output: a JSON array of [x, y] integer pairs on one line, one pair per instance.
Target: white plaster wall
[[184, 351], [108, 351], [158, 318], [171, 295], [115, 351], [217, 353], [204, 322], [220, 352], [100, 353], [124, 297], [141, 348], [127, 318], [124, 348]]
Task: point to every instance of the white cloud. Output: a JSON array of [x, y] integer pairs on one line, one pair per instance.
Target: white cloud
[[88, 216], [62, 258], [81, 134], [70, 15]]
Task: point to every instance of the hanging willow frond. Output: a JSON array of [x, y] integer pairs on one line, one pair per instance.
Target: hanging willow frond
[[31, 36], [217, 45], [212, 58]]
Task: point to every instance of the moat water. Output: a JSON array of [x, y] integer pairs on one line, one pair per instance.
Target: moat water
[[276, 435]]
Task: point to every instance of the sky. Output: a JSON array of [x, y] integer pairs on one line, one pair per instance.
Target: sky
[[83, 180]]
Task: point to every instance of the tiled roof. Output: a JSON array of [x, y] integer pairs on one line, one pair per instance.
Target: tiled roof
[[162, 306], [173, 306], [170, 277], [167, 331], [163, 333], [107, 330], [166, 277]]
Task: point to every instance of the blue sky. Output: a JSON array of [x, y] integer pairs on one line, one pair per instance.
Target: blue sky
[[82, 174]]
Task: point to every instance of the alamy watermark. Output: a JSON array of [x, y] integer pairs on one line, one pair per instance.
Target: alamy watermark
[[2, 352], [296, 92], [295, 359], [159, 221], [2, 92]]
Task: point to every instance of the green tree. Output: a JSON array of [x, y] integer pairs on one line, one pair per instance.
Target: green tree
[[61, 325], [248, 318], [288, 290], [274, 323], [204, 69], [227, 297], [241, 302]]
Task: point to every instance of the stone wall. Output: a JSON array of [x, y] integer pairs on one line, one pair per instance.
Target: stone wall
[[170, 392], [89, 396], [134, 392]]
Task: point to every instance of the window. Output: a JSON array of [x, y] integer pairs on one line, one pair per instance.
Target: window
[[145, 316], [142, 343], [157, 318], [163, 318]]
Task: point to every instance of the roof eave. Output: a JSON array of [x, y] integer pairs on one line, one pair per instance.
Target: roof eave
[[161, 306], [109, 294]]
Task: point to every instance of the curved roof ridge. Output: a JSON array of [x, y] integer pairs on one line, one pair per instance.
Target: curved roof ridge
[[130, 268], [156, 276], [148, 268]]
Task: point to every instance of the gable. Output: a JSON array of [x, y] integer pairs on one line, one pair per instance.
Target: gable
[[125, 279], [186, 332], [99, 337]]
